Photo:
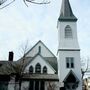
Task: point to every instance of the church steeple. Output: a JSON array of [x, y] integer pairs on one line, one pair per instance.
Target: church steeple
[[66, 13], [68, 49]]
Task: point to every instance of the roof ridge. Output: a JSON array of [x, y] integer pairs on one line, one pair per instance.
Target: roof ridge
[[43, 45]]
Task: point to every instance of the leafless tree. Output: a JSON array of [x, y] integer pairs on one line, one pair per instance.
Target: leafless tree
[[51, 86], [85, 67], [5, 3], [24, 49], [85, 62], [16, 68]]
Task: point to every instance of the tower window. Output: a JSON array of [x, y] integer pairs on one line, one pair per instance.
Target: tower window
[[44, 69], [38, 68], [69, 62], [31, 69], [68, 32]]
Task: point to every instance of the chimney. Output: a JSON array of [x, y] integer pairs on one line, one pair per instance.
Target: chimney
[[11, 55]]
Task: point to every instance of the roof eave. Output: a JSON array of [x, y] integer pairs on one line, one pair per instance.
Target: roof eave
[[66, 19]]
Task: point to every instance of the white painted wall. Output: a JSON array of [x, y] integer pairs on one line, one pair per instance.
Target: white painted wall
[[62, 63], [44, 51], [42, 62], [63, 71], [67, 43]]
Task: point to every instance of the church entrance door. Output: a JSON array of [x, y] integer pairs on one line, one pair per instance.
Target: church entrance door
[[70, 86]]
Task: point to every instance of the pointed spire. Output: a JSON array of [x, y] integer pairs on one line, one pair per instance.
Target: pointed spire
[[66, 13]]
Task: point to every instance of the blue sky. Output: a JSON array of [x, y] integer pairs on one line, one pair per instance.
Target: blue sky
[[19, 23]]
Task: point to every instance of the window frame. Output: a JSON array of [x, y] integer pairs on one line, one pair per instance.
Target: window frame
[[38, 68], [44, 69], [31, 69], [68, 32], [70, 62]]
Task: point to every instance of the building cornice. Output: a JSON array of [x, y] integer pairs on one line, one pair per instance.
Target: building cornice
[[68, 49]]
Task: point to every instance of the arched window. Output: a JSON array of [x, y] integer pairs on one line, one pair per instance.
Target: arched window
[[31, 69], [44, 69], [68, 32], [38, 68]]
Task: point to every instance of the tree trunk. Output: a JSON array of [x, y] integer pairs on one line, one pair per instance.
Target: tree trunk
[[20, 84]]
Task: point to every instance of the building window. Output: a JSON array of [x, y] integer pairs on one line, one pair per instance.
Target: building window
[[68, 32], [31, 69], [31, 85], [38, 68], [36, 85], [69, 62], [44, 69], [39, 49], [42, 85]]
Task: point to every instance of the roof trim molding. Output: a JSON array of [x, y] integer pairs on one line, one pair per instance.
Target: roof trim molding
[[43, 45], [43, 60], [68, 49], [71, 72]]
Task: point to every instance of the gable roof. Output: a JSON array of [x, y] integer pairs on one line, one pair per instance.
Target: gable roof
[[2, 63], [71, 77], [66, 13], [43, 45], [6, 68], [52, 61]]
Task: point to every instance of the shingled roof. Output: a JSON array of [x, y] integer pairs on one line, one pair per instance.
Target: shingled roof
[[7, 64], [44, 77], [66, 13]]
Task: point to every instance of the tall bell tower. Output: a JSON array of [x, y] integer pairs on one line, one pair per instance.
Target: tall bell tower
[[69, 67]]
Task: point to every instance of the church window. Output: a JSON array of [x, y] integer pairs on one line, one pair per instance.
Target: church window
[[31, 69], [39, 48], [44, 69], [42, 85], [38, 68], [68, 32], [69, 62], [72, 62], [31, 85], [37, 83]]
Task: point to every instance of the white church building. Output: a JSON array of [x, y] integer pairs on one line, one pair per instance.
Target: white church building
[[42, 69]]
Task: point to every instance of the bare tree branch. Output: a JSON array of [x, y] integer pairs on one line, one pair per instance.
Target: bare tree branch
[[31, 1], [2, 1], [25, 3], [42, 2], [7, 4], [85, 68]]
